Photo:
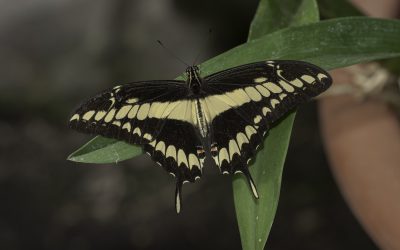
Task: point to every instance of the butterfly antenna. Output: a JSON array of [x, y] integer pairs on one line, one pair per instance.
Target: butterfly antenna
[[204, 47], [171, 53]]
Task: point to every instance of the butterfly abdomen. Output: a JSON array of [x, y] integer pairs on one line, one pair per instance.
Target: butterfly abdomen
[[201, 119]]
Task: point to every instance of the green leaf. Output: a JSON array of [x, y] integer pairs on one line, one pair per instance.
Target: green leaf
[[255, 217], [275, 15], [105, 150], [343, 8], [337, 8], [333, 43]]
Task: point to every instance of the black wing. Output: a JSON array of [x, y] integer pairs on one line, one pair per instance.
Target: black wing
[[156, 115], [132, 112], [249, 99]]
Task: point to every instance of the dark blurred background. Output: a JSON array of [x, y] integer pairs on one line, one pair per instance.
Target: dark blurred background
[[55, 54]]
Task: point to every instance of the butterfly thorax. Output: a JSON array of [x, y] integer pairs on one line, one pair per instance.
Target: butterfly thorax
[[193, 81]]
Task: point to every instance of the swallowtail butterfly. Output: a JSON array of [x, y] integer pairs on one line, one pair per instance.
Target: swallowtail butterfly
[[224, 116]]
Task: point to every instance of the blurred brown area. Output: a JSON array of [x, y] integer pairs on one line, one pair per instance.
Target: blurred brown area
[[55, 54]]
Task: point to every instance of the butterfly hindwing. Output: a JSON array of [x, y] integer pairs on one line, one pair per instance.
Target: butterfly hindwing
[[180, 151]]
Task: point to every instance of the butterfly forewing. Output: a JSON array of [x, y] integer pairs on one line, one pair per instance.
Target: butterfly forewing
[[128, 112]]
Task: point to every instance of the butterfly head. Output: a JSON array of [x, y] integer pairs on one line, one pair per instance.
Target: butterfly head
[[193, 78]]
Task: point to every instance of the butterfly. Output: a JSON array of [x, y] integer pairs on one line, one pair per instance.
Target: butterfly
[[223, 116]]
